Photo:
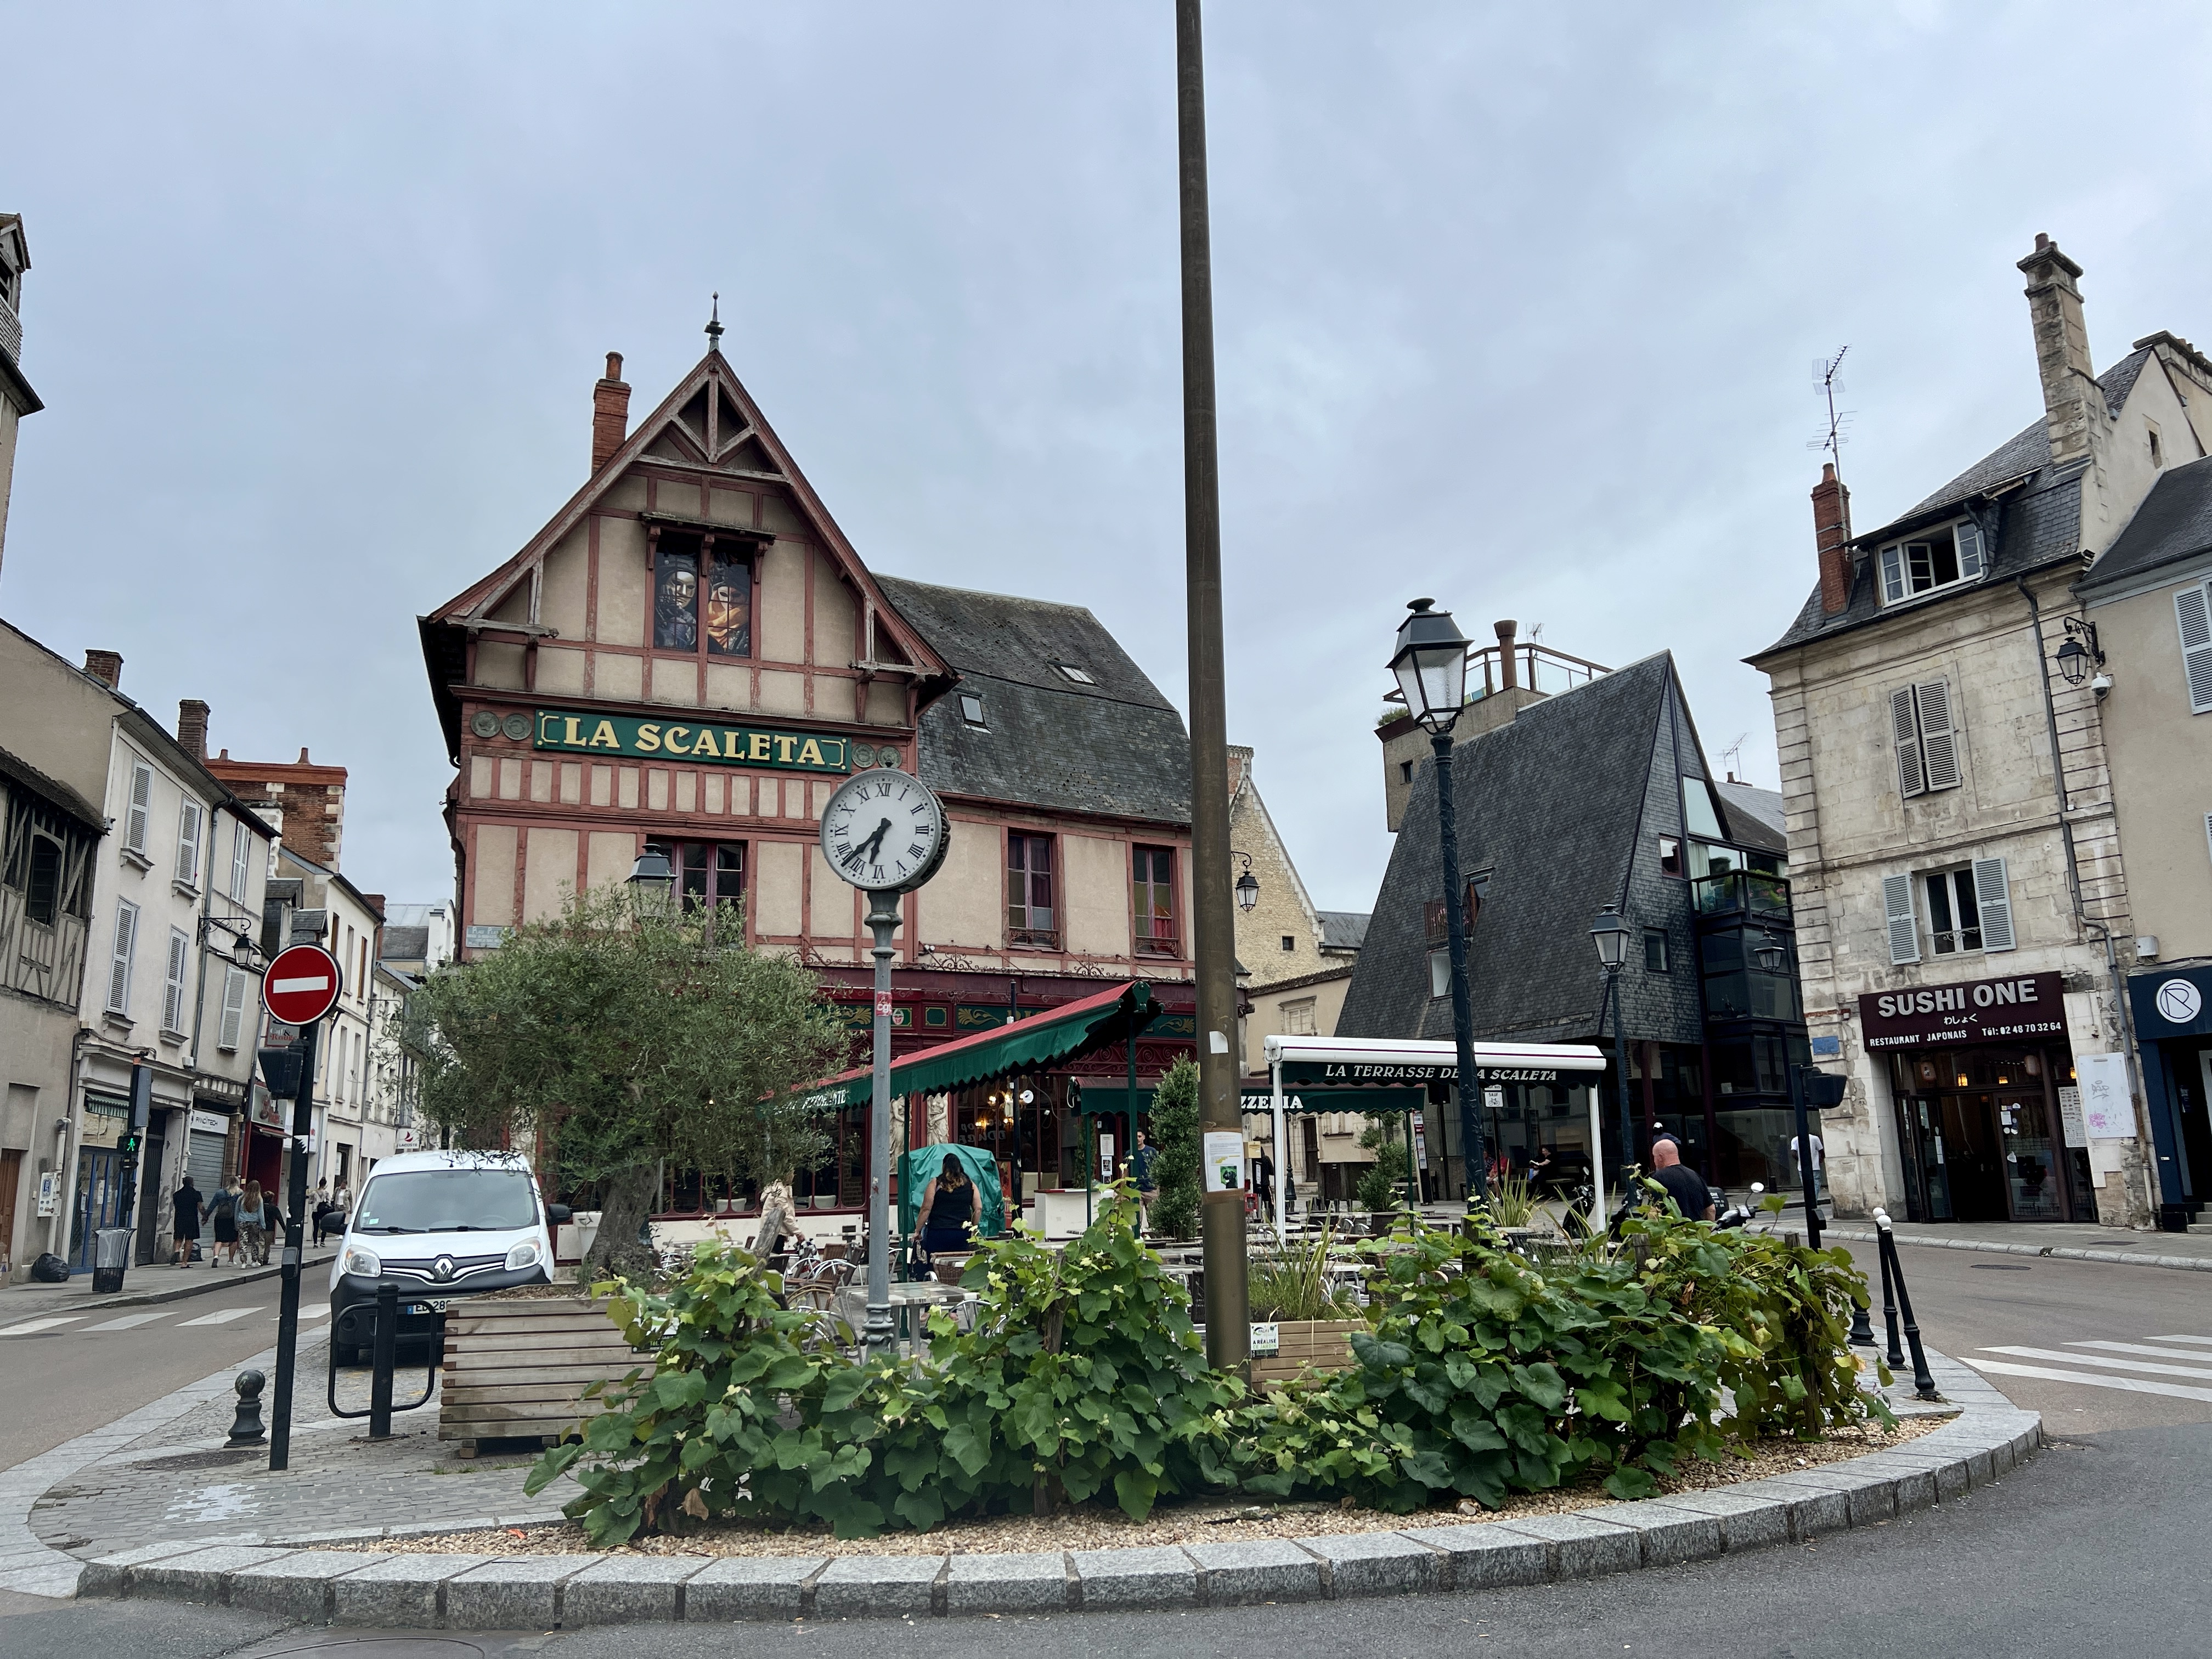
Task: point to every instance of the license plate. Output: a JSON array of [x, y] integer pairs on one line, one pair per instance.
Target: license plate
[[424, 1308]]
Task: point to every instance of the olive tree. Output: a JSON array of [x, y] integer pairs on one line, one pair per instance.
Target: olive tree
[[621, 1037]]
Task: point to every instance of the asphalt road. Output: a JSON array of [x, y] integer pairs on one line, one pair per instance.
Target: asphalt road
[[65, 1374], [2100, 1544]]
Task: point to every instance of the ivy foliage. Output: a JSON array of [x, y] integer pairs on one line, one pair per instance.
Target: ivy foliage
[[1083, 1380]]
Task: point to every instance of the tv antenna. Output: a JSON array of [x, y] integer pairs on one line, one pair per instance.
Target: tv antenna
[[1824, 374], [1734, 756]]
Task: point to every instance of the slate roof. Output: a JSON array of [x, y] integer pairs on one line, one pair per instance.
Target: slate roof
[[1754, 816], [2173, 523], [1342, 930], [1114, 747], [1550, 801], [405, 943], [2030, 526]]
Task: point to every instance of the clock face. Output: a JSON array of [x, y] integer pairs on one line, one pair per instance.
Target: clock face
[[883, 831]]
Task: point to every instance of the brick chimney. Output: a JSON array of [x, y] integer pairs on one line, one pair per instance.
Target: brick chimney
[[1506, 630], [106, 666], [1832, 536], [191, 728], [2073, 403], [610, 413]]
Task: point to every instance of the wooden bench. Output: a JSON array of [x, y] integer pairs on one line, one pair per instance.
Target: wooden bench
[[518, 1370]]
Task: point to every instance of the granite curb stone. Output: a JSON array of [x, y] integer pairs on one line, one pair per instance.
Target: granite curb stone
[[1987, 1441], [2056, 1252]]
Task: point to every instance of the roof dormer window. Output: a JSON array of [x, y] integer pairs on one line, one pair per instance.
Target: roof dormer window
[[1939, 558], [971, 710], [1080, 675]]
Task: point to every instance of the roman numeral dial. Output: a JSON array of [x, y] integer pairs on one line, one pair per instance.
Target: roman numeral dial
[[883, 831]]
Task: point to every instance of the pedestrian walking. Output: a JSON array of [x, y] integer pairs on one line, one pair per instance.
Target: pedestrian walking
[[1140, 1170], [186, 1208], [1683, 1184], [1263, 1182], [951, 1207], [223, 1216], [253, 1224]]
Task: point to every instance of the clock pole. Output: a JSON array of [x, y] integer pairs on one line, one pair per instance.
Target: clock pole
[[883, 921]]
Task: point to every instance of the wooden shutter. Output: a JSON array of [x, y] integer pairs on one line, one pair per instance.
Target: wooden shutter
[[2192, 608], [141, 799], [1910, 780], [118, 968], [1970, 551], [172, 989], [1897, 913], [242, 857], [188, 844], [1993, 898], [233, 1007], [1893, 574], [1939, 742]]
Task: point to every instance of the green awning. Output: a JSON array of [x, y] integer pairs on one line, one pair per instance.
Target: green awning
[[1038, 1044], [1113, 1097]]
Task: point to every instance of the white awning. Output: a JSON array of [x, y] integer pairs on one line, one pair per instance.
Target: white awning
[[1395, 1059]]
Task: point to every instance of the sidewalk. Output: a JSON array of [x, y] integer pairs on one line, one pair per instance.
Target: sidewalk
[[2068, 1241], [142, 1287]]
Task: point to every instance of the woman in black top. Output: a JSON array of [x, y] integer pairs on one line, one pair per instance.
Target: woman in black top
[[188, 1209], [947, 1220]]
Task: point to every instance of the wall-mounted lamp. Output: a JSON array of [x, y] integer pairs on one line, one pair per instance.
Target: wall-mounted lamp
[[2079, 657]]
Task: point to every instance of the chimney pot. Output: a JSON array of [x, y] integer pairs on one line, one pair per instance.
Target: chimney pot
[[191, 728], [2071, 397], [303, 755], [610, 413], [106, 666], [1506, 631], [1831, 539]]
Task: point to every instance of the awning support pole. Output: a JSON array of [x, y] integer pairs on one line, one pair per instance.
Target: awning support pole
[[1282, 1161]]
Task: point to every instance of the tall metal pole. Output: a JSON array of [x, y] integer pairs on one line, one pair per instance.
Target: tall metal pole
[[288, 1296], [1228, 1305], [882, 919], [1620, 1085], [1473, 1153], [1805, 1156]]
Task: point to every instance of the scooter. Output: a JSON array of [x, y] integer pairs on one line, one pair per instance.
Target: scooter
[[1736, 1215]]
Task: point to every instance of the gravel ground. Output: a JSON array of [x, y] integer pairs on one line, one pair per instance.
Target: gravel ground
[[1209, 1522]]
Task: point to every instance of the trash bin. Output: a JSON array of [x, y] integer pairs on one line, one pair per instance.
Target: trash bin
[[111, 1255]]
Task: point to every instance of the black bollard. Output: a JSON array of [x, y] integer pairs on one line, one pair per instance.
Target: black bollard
[[1924, 1380], [383, 1351], [1896, 1354], [1861, 1334], [245, 1428]]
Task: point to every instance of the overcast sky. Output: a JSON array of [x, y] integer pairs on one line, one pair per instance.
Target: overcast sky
[[1517, 306]]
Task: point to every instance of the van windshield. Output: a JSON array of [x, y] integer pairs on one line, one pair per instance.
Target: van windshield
[[446, 1201]]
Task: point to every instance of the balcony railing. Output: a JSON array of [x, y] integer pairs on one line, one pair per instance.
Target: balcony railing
[[1536, 667], [1742, 893]]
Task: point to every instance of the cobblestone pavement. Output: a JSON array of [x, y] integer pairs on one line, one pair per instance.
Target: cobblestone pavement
[[173, 1478]]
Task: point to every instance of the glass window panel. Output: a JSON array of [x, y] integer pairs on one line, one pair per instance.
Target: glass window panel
[[675, 599], [730, 606]]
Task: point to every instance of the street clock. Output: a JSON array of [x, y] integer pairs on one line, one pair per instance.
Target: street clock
[[884, 832]]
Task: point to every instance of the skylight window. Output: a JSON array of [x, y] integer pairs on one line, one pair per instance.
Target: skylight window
[[1942, 558], [1080, 675], [971, 710]]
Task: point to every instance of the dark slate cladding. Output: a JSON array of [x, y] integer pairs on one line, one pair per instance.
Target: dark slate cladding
[[1342, 930], [1565, 805], [1115, 748], [405, 945], [1754, 816], [2034, 524], [2173, 523]]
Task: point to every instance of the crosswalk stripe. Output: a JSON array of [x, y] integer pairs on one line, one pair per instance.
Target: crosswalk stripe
[[2198, 1373], [47, 1324], [2132, 1384], [127, 1322], [2206, 1340], [323, 1312], [2132, 1347], [221, 1316]]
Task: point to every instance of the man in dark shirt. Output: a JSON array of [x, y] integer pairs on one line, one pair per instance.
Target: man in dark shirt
[[1683, 1184]]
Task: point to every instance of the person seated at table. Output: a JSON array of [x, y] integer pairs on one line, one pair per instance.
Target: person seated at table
[[947, 1218]]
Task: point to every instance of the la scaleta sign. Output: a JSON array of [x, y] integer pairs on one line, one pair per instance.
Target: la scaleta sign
[[1976, 1010]]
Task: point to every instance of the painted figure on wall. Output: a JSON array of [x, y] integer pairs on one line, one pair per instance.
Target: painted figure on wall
[[730, 608], [675, 600]]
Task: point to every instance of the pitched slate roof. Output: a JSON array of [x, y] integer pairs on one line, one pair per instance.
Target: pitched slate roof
[[405, 943], [1754, 816], [1550, 801], [2035, 524], [1342, 930], [1115, 746], [2173, 523]]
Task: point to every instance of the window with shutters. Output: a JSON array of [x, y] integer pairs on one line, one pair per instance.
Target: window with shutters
[[1935, 559], [2192, 609], [228, 1033], [189, 819], [241, 861], [1900, 918], [136, 818], [1927, 739], [173, 983], [118, 966], [1298, 1017], [1969, 909]]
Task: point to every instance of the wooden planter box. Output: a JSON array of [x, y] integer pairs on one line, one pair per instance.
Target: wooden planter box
[[1325, 1345], [518, 1370]]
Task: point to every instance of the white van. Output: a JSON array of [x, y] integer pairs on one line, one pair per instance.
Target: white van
[[438, 1225]]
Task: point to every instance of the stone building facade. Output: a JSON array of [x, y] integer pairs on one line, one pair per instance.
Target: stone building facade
[[17, 399], [1965, 916]]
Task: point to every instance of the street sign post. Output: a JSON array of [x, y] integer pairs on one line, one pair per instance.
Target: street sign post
[[302, 986]]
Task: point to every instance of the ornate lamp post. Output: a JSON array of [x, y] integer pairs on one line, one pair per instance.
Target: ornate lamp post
[[1610, 934], [1431, 666]]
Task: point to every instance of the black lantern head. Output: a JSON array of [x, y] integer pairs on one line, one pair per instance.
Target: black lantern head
[[1248, 891], [1610, 934], [2073, 661], [653, 879], [1431, 666]]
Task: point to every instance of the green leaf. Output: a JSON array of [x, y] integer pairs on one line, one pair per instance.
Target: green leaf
[[1629, 1483], [967, 1447]]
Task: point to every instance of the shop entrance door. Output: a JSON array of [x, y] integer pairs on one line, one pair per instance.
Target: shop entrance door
[[1928, 1169], [2035, 1186], [1975, 1162]]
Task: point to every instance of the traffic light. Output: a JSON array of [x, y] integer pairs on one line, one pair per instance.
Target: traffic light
[[128, 1145]]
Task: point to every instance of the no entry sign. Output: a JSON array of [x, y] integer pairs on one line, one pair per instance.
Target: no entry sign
[[301, 985]]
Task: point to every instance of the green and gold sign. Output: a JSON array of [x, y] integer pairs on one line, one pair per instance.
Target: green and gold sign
[[721, 745]]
